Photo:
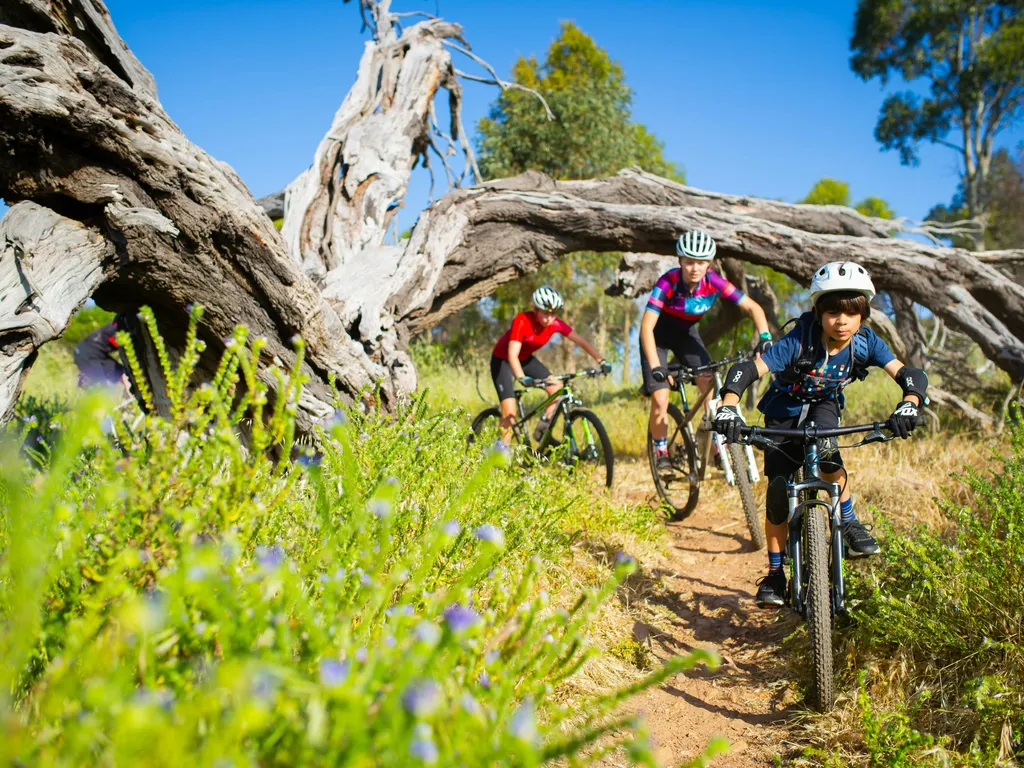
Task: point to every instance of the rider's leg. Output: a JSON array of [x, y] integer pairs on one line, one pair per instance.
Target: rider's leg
[[779, 465], [508, 419], [536, 369], [858, 540], [504, 385], [692, 352], [658, 423]]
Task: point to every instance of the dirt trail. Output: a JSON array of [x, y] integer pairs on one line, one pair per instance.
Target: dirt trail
[[708, 584]]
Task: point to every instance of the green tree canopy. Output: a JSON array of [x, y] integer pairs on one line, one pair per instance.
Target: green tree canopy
[[592, 133], [1001, 196], [970, 54], [827, 191]]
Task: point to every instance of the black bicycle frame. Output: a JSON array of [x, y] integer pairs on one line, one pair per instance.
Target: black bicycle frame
[[813, 483], [567, 400]]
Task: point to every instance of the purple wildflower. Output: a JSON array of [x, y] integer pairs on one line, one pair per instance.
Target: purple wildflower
[[623, 559], [422, 698], [460, 618], [484, 679], [427, 633], [380, 507], [333, 672], [491, 534], [452, 528], [523, 725], [423, 748], [469, 704], [269, 558]]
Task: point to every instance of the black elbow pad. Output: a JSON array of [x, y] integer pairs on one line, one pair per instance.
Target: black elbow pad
[[740, 376], [914, 381]]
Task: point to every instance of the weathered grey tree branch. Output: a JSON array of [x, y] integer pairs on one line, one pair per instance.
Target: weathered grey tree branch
[[83, 135], [499, 231], [99, 149], [49, 266]]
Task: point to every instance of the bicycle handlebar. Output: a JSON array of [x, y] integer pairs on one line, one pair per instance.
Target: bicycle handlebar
[[677, 368], [590, 373], [763, 435]]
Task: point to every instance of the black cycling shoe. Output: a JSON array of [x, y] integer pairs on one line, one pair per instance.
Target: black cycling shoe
[[859, 543], [771, 590]]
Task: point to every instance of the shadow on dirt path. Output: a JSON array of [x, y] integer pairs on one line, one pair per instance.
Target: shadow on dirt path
[[703, 596]]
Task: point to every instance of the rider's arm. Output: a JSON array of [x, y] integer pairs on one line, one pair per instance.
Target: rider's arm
[[647, 323], [742, 373], [912, 380], [585, 345], [514, 348], [756, 313]]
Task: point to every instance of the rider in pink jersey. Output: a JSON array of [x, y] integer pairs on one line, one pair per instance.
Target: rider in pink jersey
[[680, 298]]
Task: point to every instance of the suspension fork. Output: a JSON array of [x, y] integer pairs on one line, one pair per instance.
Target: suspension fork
[[714, 402]]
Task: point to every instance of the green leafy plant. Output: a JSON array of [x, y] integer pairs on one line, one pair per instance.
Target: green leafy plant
[[183, 591]]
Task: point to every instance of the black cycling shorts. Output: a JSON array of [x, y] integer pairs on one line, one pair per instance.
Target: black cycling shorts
[[685, 345], [505, 380], [789, 456]]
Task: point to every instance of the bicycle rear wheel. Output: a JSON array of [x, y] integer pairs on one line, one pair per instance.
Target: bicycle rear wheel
[[738, 459], [819, 608], [679, 486], [586, 440]]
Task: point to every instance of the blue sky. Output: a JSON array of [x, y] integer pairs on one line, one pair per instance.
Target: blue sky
[[750, 97]]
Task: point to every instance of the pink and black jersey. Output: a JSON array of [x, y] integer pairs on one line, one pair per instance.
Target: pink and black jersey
[[673, 299]]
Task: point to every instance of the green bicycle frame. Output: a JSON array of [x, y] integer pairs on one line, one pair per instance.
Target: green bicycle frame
[[567, 399]]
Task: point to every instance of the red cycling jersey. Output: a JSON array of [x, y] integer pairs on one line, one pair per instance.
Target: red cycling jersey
[[527, 330]]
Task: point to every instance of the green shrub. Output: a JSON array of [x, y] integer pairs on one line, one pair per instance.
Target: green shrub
[[954, 607], [176, 593]]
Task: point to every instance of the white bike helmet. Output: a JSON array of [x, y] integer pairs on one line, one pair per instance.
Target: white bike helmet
[[841, 276], [696, 244], [547, 298]]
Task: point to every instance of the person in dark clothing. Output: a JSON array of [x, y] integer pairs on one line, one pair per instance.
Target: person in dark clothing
[[98, 360]]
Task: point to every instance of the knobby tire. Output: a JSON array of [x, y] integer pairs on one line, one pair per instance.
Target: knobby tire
[[738, 458], [606, 456], [683, 453], [819, 609]]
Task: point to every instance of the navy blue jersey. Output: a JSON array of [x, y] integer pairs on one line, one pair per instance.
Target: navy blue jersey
[[826, 379]]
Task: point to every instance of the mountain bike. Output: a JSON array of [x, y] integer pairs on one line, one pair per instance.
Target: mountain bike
[[584, 438], [815, 553], [689, 451]]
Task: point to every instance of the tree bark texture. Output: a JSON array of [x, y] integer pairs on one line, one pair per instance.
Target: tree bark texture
[[88, 141]]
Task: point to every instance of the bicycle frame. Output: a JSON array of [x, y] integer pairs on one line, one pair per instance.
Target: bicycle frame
[[814, 483], [711, 398], [567, 400]]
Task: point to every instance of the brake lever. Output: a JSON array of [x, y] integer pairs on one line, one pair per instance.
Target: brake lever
[[875, 436]]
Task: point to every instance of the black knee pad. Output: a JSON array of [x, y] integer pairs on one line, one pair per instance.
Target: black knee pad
[[776, 501]]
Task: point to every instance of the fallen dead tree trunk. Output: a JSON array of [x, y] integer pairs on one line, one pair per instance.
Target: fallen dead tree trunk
[[84, 136]]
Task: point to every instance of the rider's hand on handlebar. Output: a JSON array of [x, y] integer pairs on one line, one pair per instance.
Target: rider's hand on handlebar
[[763, 344], [528, 381], [659, 374], [727, 422], [903, 419], [606, 367]]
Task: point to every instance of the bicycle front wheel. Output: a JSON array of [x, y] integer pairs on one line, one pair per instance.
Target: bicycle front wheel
[[678, 485], [738, 459], [585, 442], [487, 427], [819, 609]]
